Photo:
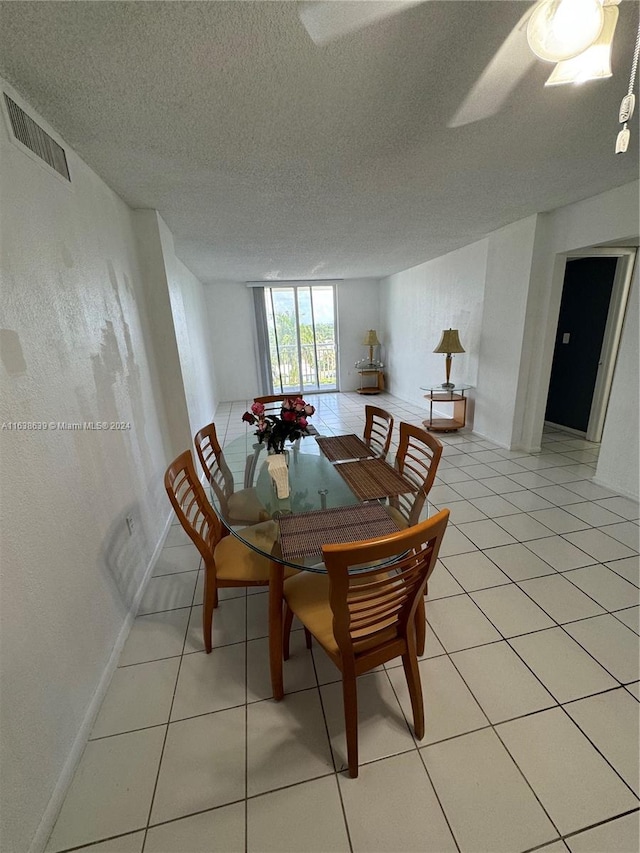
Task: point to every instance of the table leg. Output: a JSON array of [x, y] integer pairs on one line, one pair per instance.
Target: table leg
[[276, 583]]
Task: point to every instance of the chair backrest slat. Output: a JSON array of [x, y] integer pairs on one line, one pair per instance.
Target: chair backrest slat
[[214, 464], [191, 506], [417, 460], [379, 603], [377, 430], [393, 594]]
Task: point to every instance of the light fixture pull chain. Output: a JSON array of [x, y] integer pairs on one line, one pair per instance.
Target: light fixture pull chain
[[628, 102], [634, 64]]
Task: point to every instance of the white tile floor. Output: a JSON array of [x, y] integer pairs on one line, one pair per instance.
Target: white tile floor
[[530, 681]]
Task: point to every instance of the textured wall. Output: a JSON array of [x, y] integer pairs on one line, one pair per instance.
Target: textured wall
[[621, 470], [75, 349], [508, 288], [191, 327], [232, 330], [232, 324], [608, 218], [358, 302], [157, 259], [193, 334], [505, 303], [417, 304]]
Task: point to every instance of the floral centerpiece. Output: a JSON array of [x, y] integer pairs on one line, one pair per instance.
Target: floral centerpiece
[[290, 425]]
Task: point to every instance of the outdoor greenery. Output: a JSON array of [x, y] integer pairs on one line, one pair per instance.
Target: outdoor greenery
[[287, 349]]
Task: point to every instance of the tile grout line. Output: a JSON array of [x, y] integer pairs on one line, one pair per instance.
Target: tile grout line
[[339, 413], [422, 760], [493, 728], [331, 751], [173, 698]]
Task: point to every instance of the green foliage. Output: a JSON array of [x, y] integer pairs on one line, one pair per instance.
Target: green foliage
[[283, 346], [286, 329]]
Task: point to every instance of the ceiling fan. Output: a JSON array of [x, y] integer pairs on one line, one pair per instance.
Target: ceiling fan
[[575, 34]]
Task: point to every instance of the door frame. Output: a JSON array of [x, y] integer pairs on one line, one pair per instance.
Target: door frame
[[294, 284], [613, 329]]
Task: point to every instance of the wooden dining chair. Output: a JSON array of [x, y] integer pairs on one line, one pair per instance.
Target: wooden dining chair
[[227, 561], [417, 460], [238, 507], [367, 618], [378, 428]]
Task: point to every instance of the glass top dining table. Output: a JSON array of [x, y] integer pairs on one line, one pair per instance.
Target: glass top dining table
[[319, 506]]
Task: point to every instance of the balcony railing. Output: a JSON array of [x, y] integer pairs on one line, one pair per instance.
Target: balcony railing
[[312, 379]]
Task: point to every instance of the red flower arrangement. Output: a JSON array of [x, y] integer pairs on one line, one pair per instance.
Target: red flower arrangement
[[290, 425]]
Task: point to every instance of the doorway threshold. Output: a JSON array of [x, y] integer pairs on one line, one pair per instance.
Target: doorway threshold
[[569, 431]]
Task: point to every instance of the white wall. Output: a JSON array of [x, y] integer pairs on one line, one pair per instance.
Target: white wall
[[510, 250], [155, 245], [510, 284], [193, 336], [417, 304], [609, 217], [619, 463], [232, 330], [358, 308], [233, 343], [75, 347]]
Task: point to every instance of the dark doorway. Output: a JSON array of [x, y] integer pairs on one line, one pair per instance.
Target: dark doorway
[[586, 294]]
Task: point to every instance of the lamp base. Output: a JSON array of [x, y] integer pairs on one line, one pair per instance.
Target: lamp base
[[448, 385]]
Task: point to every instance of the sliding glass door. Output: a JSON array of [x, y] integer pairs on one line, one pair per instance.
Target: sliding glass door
[[301, 334]]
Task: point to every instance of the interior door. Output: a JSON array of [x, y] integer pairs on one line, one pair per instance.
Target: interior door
[[586, 295]]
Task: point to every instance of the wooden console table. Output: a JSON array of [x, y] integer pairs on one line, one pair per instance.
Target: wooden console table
[[371, 380], [455, 397]]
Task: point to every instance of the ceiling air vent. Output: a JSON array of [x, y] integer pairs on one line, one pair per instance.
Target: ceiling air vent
[[33, 136]]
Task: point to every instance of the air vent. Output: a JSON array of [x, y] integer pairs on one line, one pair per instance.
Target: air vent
[[33, 136]]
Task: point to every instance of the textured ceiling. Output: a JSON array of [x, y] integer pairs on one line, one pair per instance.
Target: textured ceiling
[[271, 157]]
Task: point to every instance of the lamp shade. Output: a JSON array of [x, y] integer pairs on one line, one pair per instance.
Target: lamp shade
[[560, 29], [594, 62], [449, 342], [371, 339]]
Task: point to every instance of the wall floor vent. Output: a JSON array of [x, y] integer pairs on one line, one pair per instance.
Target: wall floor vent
[[34, 137]]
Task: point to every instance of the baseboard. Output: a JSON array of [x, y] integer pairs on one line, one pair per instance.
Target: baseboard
[[617, 490], [54, 805], [569, 430], [475, 434]]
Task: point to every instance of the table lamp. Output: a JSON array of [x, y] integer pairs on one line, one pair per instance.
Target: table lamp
[[371, 341], [449, 343]]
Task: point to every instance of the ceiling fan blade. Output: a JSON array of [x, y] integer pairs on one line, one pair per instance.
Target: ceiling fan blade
[[503, 73], [330, 20]]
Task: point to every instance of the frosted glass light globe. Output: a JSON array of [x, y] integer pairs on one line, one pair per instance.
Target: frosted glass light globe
[[561, 29]]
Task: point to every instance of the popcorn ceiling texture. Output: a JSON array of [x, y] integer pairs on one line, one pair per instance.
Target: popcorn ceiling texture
[[271, 157], [266, 157]]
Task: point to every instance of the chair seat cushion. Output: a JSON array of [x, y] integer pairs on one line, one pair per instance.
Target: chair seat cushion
[[244, 507], [236, 562], [307, 594]]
